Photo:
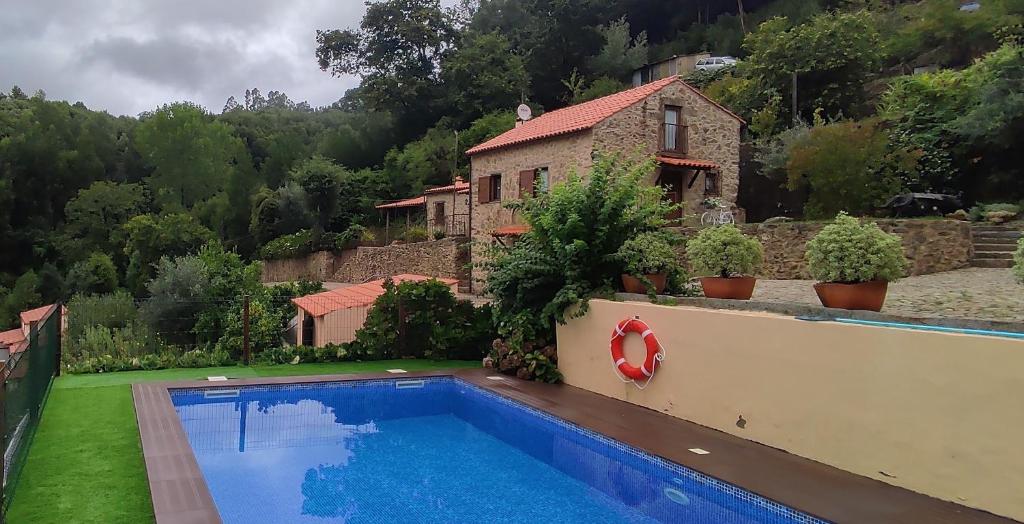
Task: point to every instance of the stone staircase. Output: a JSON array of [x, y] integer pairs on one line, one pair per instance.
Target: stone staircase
[[994, 245]]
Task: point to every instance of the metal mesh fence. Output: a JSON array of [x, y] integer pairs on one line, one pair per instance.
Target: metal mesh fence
[[27, 375]]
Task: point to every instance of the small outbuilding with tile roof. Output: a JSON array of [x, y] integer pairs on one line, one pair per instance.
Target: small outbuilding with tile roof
[[695, 141], [334, 316]]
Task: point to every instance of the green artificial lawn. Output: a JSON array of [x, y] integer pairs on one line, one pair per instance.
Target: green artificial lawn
[[85, 461]]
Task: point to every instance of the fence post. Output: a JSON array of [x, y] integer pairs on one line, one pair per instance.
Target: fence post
[[3, 438], [60, 337], [245, 329]]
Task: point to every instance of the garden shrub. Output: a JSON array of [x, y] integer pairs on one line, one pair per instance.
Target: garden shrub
[[304, 243], [94, 275], [569, 254], [1018, 261], [416, 234], [113, 310], [653, 253], [724, 251], [982, 212], [435, 325], [848, 251]]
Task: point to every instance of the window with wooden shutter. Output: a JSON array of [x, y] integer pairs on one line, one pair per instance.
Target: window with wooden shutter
[[526, 179], [483, 189]]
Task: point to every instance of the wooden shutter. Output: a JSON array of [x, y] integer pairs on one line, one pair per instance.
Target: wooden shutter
[[483, 189], [526, 181]]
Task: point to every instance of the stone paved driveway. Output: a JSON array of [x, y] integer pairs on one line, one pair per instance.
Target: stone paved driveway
[[977, 293]]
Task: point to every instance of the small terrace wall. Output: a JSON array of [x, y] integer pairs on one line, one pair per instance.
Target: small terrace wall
[[931, 246], [445, 258], [932, 412]]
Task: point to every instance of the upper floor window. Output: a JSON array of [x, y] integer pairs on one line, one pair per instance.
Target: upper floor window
[[534, 181], [489, 189], [674, 134]]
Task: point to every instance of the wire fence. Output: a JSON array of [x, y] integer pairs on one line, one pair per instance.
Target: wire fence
[[27, 375], [119, 333]]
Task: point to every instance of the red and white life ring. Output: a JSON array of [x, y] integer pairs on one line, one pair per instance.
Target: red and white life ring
[[655, 353]]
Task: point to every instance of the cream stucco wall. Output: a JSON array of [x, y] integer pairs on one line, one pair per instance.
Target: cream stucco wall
[[939, 414]]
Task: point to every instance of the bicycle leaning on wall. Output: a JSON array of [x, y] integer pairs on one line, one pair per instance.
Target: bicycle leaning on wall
[[717, 213]]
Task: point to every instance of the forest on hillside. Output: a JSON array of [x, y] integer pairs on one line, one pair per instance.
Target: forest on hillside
[[90, 202]]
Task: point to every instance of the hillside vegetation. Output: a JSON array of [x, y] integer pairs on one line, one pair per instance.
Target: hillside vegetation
[[90, 202]]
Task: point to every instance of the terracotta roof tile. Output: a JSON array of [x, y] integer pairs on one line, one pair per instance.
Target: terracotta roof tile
[[688, 162], [409, 202], [361, 295], [581, 116], [513, 230], [34, 315], [459, 186]]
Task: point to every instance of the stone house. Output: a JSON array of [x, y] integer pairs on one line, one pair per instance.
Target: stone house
[[696, 143], [444, 209]]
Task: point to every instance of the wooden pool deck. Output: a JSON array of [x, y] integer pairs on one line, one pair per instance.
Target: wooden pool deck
[[180, 494]]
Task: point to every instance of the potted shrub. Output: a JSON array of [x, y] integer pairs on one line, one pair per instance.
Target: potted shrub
[[726, 258], [647, 260], [854, 263]]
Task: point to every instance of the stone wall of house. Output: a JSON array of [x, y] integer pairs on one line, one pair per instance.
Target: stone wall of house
[[317, 267], [712, 133], [446, 258], [931, 246], [561, 155], [453, 224]]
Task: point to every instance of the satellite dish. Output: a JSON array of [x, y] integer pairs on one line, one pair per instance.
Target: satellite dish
[[524, 112]]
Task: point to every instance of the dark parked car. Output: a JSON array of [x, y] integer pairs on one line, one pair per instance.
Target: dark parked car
[[922, 204]]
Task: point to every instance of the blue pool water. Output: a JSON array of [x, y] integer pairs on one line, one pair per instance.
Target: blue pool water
[[435, 451]]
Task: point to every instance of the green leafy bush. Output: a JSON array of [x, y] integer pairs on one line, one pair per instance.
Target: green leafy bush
[[648, 253], [981, 212], [724, 251], [94, 275], [570, 252], [304, 242], [1018, 261], [847, 251], [422, 320], [416, 234]]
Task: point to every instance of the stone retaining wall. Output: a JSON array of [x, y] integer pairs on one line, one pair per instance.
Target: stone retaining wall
[[931, 246], [446, 258]]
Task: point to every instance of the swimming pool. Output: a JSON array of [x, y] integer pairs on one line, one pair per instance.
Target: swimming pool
[[433, 450]]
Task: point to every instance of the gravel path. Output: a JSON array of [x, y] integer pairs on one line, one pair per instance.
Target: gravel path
[[978, 293]]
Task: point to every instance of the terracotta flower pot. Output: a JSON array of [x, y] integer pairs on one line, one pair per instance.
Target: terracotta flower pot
[[634, 285], [733, 288], [864, 296]]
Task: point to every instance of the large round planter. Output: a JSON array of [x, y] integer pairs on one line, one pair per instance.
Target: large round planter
[[634, 285], [863, 296], [732, 288]]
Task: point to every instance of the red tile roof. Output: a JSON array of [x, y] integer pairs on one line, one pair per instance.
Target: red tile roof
[[692, 163], [419, 201], [13, 339], [34, 315], [513, 230], [459, 186], [582, 116], [361, 295]]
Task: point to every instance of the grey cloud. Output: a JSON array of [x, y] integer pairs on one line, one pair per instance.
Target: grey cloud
[[129, 56], [169, 61]]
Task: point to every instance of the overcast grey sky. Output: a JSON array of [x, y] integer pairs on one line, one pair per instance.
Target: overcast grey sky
[[129, 56]]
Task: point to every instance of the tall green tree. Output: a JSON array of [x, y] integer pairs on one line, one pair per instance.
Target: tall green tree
[[832, 55], [484, 74], [94, 218], [151, 237], [397, 51], [191, 154]]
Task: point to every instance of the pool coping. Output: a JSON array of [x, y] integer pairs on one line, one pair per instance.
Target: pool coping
[[180, 495]]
